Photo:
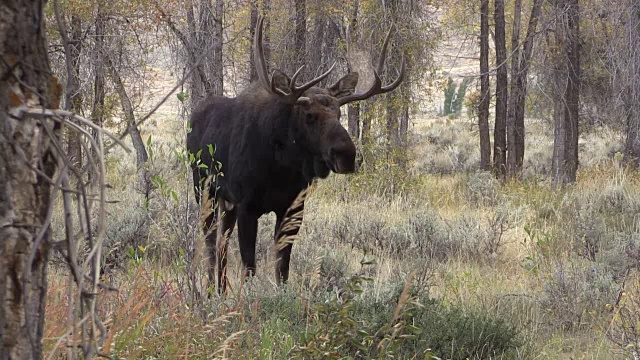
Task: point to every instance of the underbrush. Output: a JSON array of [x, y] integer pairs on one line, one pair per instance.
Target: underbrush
[[149, 318], [395, 261]]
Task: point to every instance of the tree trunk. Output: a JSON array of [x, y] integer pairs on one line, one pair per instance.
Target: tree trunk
[[527, 52], [218, 61], [330, 50], [300, 44], [517, 97], [316, 46], [353, 118], [485, 88], [24, 191], [127, 109], [403, 126], [99, 84], [572, 94], [499, 132], [365, 134], [253, 75], [73, 98], [567, 100], [97, 110], [632, 147], [511, 107], [391, 129], [353, 121], [198, 78], [558, 167], [266, 12], [253, 22]]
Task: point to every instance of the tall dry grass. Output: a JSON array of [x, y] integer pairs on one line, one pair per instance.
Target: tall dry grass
[[490, 270]]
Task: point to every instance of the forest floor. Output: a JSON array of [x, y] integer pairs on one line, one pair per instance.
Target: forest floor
[[444, 261]]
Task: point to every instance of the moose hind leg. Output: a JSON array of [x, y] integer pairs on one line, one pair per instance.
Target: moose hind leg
[[287, 227], [227, 215], [247, 232]]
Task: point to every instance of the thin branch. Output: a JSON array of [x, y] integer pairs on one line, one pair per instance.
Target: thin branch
[[155, 108], [58, 115]]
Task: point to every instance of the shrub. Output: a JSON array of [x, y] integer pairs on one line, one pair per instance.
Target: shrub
[[451, 159], [481, 188], [575, 290], [427, 235], [126, 229], [454, 334], [401, 327], [625, 322]]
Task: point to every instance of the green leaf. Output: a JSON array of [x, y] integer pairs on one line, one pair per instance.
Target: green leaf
[[359, 345], [181, 96], [365, 261], [414, 330]]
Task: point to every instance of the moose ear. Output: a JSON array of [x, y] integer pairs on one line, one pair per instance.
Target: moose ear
[[280, 81], [345, 86]]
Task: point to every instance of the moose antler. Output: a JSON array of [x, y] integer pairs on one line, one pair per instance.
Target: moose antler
[[376, 85], [295, 92]]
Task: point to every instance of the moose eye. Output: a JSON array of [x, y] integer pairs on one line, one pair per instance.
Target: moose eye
[[311, 118]]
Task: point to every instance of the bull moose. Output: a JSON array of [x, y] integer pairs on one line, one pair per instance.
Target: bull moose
[[272, 140]]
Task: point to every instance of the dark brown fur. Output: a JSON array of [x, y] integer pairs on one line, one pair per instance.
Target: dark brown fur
[[270, 151]]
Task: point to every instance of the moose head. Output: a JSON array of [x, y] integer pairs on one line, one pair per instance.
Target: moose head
[[317, 127]]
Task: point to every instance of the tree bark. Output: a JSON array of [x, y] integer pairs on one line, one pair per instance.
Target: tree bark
[[266, 12], [527, 53], [393, 110], [572, 94], [567, 100], [632, 146], [558, 168], [253, 22], [97, 110], [485, 88], [365, 135], [253, 75], [300, 44], [24, 191], [517, 97], [218, 61], [499, 132], [127, 108], [99, 84], [317, 46], [353, 121], [353, 110], [391, 130], [511, 107], [73, 97], [403, 127], [197, 78]]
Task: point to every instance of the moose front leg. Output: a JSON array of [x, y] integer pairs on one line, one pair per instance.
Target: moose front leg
[[227, 214], [287, 227], [210, 228], [247, 232]]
